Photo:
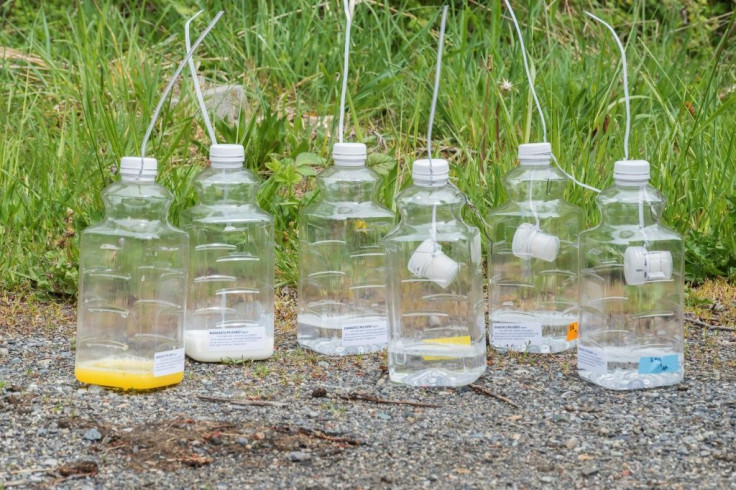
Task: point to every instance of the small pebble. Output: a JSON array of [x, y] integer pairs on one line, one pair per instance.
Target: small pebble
[[299, 456], [93, 435]]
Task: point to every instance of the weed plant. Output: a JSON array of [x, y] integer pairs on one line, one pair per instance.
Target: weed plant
[[80, 81]]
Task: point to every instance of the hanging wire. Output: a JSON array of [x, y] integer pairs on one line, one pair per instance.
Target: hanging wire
[[526, 68], [642, 190], [349, 17], [161, 101], [536, 99], [626, 82], [435, 93], [432, 109], [197, 88]]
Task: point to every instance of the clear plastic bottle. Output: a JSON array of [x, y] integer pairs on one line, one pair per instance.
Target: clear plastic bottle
[[435, 285], [533, 260], [631, 291], [342, 292], [231, 269], [132, 283]]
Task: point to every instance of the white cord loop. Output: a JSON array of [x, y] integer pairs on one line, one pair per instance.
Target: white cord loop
[[526, 68], [539, 107], [161, 101], [195, 79], [626, 82]]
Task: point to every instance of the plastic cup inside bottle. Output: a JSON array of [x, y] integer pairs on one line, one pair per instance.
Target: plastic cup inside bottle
[[530, 242], [430, 262], [641, 266]]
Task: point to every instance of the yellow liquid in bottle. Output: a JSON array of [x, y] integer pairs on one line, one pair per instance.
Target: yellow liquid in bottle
[[128, 374]]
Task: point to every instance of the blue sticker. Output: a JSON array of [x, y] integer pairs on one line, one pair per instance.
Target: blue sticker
[[659, 364]]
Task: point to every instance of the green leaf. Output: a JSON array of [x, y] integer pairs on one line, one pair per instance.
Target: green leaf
[[381, 163], [273, 165], [306, 171], [308, 158]]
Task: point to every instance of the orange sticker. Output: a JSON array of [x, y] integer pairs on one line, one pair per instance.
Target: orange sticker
[[572, 331]]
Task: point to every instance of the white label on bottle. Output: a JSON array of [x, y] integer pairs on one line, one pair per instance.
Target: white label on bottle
[[592, 359], [223, 339], [168, 362], [516, 334], [368, 332]]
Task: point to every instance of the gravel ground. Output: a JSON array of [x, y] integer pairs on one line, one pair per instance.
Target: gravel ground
[[553, 430]]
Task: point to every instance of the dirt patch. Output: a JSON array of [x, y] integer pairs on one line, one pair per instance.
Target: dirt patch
[[23, 314], [183, 442], [714, 302]]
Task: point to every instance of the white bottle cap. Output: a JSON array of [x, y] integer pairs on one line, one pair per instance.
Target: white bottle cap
[[349, 154], [430, 262], [641, 266], [430, 173], [227, 156], [631, 172], [535, 154], [130, 169], [530, 242]]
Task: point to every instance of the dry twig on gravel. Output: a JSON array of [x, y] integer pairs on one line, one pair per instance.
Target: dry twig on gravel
[[253, 403], [701, 323], [317, 434], [365, 397], [490, 393]]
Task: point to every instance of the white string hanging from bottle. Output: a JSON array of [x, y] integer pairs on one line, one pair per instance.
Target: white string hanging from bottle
[[170, 85], [642, 190], [640, 264], [345, 66], [195, 80], [210, 132], [432, 109], [536, 99]]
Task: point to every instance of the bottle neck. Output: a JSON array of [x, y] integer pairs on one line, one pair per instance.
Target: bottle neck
[[348, 184], [146, 201], [419, 205], [535, 182], [226, 186], [627, 204]]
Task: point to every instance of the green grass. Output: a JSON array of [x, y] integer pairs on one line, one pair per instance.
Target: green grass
[[80, 93]]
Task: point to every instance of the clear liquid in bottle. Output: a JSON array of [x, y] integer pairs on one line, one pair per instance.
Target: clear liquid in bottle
[[435, 281], [342, 292], [632, 289]]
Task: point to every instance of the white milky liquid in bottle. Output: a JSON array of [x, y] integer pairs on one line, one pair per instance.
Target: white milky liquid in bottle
[[231, 283]]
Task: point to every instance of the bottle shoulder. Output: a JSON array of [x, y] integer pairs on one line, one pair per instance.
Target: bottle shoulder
[[446, 231], [342, 210], [235, 177], [134, 228], [549, 208], [429, 196], [629, 233], [148, 190], [542, 173], [226, 212], [630, 195], [336, 174]]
